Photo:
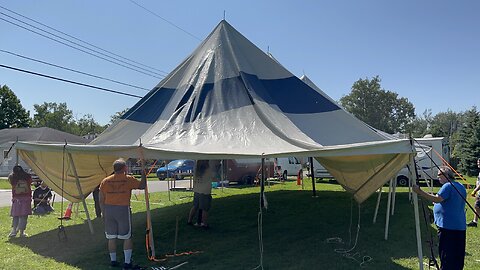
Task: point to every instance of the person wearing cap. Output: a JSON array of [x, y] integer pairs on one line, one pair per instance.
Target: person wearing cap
[[115, 194], [449, 216]]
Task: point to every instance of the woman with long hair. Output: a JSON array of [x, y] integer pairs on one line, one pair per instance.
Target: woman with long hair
[[21, 200]]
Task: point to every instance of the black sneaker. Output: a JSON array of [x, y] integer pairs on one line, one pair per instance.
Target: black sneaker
[[114, 264], [472, 224]]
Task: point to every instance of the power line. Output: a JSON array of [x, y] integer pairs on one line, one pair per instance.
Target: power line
[[61, 42], [165, 20], [75, 38], [69, 81], [73, 70], [82, 46]]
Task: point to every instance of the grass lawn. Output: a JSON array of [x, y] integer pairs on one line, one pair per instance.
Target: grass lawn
[[299, 232]]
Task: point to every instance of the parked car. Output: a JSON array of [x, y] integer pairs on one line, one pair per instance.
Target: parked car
[[179, 169]]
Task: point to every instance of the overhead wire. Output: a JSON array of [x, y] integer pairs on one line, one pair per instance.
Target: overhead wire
[[75, 38], [69, 81], [165, 20], [137, 68], [73, 70]]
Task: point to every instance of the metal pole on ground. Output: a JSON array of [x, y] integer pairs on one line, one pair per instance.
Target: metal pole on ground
[[79, 187], [312, 173]]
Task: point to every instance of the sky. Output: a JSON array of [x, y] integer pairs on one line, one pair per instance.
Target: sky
[[426, 51]]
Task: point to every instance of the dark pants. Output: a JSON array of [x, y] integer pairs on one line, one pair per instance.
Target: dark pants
[[451, 248], [96, 199]]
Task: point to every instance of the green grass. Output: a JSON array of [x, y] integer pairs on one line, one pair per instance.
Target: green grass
[[4, 184], [296, 227]]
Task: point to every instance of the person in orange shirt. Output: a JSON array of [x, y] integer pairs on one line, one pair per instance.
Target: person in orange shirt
[[115, 193]]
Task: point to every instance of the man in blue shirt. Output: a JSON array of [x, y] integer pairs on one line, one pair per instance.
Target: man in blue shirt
[[449, 214]]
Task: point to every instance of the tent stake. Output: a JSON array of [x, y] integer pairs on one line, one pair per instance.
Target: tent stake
[[79, 187]]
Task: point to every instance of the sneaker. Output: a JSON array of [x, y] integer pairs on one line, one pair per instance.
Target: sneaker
[[23, 235], [113, 264], [472, 224]]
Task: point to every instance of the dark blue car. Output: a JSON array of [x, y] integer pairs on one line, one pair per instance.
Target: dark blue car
[[179, 169]]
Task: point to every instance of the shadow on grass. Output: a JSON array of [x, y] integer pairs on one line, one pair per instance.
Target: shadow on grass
[[296, 227]]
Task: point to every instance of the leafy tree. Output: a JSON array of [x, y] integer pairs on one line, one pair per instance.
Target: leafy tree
[[467, 149], [117, 116], [12, 113], [419, 127], [377, 107], [445, 124], [53, 115], [88, 125]]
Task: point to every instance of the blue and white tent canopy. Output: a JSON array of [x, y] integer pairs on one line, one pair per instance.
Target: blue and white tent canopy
[[227, 100]]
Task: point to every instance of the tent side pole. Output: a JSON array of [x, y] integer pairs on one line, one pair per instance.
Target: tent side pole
[[312, 173], [79, 187], [378, 205], [262, 185], [389, 201], [147, 205], [417, 220], [394, 195]]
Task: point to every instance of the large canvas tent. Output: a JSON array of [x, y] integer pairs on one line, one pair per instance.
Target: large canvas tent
[[229, 99]]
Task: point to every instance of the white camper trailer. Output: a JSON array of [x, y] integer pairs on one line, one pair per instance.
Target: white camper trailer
[[431, 152]]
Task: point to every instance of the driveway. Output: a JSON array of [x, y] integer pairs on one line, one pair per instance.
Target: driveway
[[153, 186]]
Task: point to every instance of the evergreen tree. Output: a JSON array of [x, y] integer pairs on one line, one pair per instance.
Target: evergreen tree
[[467, 149]]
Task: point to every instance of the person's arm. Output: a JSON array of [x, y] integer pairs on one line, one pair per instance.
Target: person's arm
[[428, 196], [101, 200], [474, 192]]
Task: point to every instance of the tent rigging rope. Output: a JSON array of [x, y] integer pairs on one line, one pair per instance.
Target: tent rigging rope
[[347, 253], [262, 204], [448, 179]]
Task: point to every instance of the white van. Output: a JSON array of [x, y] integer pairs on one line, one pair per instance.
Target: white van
[[320, 171], [289, 166]]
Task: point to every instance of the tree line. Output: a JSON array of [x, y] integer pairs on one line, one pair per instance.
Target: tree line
[[368, 101], [49, 114]]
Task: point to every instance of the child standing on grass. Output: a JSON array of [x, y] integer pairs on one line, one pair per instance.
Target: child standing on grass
[[21, 200]]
